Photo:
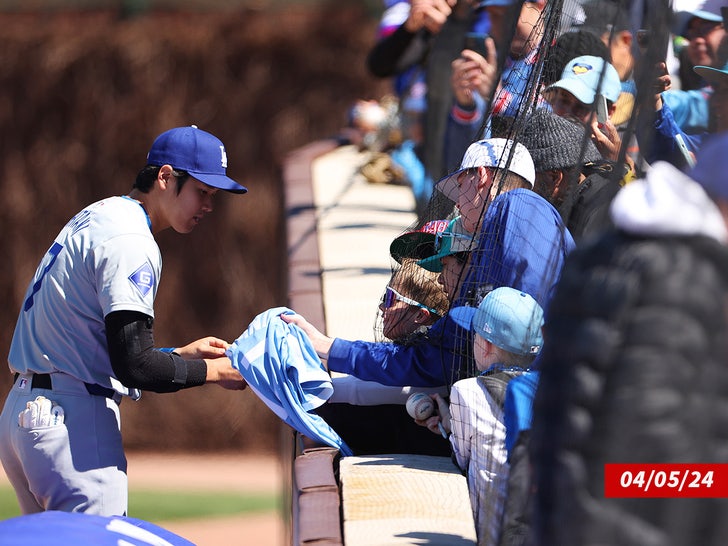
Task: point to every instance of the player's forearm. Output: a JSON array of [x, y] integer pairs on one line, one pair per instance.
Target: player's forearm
[[137, 364]]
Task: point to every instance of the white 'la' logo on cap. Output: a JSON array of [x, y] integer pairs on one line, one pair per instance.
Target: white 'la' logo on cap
[[223, 157]]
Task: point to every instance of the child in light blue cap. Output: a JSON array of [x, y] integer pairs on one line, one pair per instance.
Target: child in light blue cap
[[507, 326]]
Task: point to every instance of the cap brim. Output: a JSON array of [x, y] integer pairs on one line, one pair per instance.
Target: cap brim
[[576, 88], [415, 244], [710, 74], [220, 182], [432, 263], [463, 316], [448, 185]]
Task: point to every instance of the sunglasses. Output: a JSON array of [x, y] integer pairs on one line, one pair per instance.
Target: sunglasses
[[452, 238], [391, 295]]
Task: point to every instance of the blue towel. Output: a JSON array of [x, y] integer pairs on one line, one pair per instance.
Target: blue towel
[[280, 364]]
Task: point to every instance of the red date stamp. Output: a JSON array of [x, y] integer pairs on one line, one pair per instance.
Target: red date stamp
[[665, 480]]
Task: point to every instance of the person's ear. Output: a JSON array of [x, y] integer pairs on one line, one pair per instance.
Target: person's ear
[[165, 176], [422, 316], [625, 38], [485, 346]]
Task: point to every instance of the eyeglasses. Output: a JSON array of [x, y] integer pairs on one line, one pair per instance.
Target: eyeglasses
[[391, 295]]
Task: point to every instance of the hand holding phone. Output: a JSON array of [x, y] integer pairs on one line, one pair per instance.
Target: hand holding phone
[[475, 41], [602, 114]]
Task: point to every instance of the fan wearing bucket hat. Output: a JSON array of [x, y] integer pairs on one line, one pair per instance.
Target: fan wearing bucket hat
[[506, 329], [84, 335]]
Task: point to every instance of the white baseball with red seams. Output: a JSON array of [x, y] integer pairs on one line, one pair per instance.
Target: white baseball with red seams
[[420, 406]]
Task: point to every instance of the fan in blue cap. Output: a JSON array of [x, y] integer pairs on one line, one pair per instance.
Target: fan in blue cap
[[508, 318]]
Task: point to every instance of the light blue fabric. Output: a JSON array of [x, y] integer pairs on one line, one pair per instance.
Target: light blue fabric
[[689, 108], [280, 364], [518, 406]]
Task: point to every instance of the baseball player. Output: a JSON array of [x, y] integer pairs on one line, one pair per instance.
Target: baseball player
[[84, 339]]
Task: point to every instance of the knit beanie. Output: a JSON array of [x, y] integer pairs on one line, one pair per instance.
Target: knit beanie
[[555, 142]]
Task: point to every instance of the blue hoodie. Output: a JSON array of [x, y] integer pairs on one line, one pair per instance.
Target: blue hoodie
[[522, 244]]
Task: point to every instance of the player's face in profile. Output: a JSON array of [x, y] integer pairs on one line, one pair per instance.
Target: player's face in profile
[[191, 205]]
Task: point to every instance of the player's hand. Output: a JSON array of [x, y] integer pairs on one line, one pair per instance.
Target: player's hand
[[321, 342], [220, 371], [207, 347]]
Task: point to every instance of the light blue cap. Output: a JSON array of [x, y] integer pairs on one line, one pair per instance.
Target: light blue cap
[[581, 79], [508, 318]]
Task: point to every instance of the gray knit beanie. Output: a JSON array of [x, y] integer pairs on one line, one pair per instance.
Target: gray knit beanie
[[555, 142]]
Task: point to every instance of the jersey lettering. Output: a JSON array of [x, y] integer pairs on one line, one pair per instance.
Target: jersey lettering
[[80, 221], [53, 253]]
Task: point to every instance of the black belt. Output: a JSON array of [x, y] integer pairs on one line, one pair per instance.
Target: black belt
[[43, 381]]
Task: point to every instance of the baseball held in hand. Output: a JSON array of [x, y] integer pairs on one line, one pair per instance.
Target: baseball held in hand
[[420, 406]]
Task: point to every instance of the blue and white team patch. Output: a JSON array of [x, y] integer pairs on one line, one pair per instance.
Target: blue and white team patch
[[143, 279]]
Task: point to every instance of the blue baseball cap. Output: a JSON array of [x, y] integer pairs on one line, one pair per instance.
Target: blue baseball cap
[[452, 240], [581, 78], [197, 152], [710, 166], [508, 318]]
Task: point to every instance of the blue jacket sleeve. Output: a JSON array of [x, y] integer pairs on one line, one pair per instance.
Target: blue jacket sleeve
[[432, 361], [689, 108], [663, 146]]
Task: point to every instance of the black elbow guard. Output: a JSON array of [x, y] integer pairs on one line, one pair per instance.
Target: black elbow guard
[[138, 365]]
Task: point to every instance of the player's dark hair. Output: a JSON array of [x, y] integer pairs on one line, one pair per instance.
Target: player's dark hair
[[145, 179]]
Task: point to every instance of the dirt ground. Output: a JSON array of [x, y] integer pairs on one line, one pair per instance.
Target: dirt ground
[[248, 473]]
